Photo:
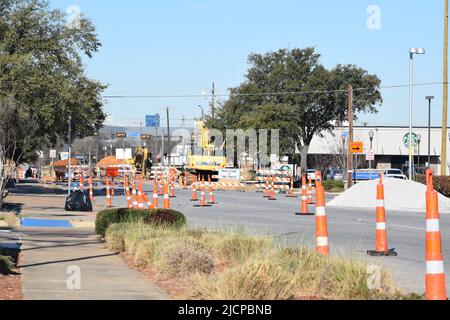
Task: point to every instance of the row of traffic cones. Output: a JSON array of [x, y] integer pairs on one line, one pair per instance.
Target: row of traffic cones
[[203, 203]]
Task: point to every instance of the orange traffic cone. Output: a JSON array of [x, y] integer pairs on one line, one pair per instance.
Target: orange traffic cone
[[211, 192], [272, 192], [91, 190], [310, 192], [127, 193], [267, 196], [304, 207], [321, 222], [194, 191], [435, 277], [161, 186], [108, 195], [185, 181], [81, 182], [381, 242], [291, 190], [139, 192], [166, 196], [134, 194], [202, 197], [172, 187], [155, 194]]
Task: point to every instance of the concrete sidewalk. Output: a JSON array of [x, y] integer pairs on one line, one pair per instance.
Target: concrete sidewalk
[[52, 259]]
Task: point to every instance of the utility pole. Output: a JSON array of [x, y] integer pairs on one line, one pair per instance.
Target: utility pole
[[350, 137], [213, 102], [445, 96], [168, 134]]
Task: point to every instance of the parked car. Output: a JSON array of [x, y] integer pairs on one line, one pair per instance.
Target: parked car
[[395, 173], [336, 175]]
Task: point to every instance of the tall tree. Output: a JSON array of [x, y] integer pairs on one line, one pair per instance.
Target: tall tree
[[306, 99], [42, 74]]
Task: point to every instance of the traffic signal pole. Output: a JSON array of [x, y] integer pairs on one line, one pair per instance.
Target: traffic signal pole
[[350, 137]]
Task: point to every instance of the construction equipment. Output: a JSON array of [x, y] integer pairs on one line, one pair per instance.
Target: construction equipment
[[142, 161], [204, 159]]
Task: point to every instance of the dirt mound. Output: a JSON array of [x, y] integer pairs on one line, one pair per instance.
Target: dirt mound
[[399, 195]]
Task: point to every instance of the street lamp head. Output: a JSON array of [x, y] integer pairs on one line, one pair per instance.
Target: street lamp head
[[419, 138], [417, 51], [429, 98], [371, 134]]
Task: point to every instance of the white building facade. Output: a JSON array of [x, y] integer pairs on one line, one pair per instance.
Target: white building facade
[[389, 146]]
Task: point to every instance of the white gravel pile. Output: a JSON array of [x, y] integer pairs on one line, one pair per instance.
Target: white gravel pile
[[399, 195]]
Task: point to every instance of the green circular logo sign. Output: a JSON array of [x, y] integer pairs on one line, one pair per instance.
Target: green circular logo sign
[[415, 140]]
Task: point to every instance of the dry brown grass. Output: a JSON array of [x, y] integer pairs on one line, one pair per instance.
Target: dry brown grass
[[234, 266]]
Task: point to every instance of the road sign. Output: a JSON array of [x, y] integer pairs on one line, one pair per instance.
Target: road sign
[[370, 156], [121, 135], [146, 137], [153, 121], [356, 147], [124, 154], [52, 154]]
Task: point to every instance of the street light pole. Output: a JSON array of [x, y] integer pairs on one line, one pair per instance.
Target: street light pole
[[412, 51], [429, 98], [371, 136], [70, 154]]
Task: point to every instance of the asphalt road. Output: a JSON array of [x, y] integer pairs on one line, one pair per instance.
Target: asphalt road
[[351, 231]]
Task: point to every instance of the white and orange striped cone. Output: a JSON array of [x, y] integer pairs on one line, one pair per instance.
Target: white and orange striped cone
[[291, 189], [172, 187], [435, 276], [91, 190], [304, 210], [134, 194], [212, 200], [202, 197], [310, 192], [272, 192], [139, 192], [128, 194], [162, 184], [108, 194], [81, 182], [194, 192], [381, 242], [321, 222], [155, 195], [267, 196], [185, 181], [113, 187], [166, 196]]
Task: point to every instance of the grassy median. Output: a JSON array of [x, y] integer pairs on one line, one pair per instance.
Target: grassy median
[[230, 265]]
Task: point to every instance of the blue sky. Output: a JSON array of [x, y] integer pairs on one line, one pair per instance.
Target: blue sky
[[179, 47]]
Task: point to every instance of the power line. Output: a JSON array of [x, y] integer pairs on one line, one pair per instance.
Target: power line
[[262, 93]]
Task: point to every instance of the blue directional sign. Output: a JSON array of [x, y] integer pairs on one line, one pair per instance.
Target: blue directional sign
[[366, 176], [153, 121]]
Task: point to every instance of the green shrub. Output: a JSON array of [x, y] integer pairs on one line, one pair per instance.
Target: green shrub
[[108, 217], [333, 186], [6, 265], [166, 218], [441, 184]]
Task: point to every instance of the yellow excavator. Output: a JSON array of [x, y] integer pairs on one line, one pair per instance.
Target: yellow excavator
[[142, 161], [208, 162]]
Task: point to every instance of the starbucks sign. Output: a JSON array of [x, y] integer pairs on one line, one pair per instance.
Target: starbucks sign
[[415, 140]]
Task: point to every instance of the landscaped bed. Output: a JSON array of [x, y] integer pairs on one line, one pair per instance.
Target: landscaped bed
[[202, 264], [10, 285]]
